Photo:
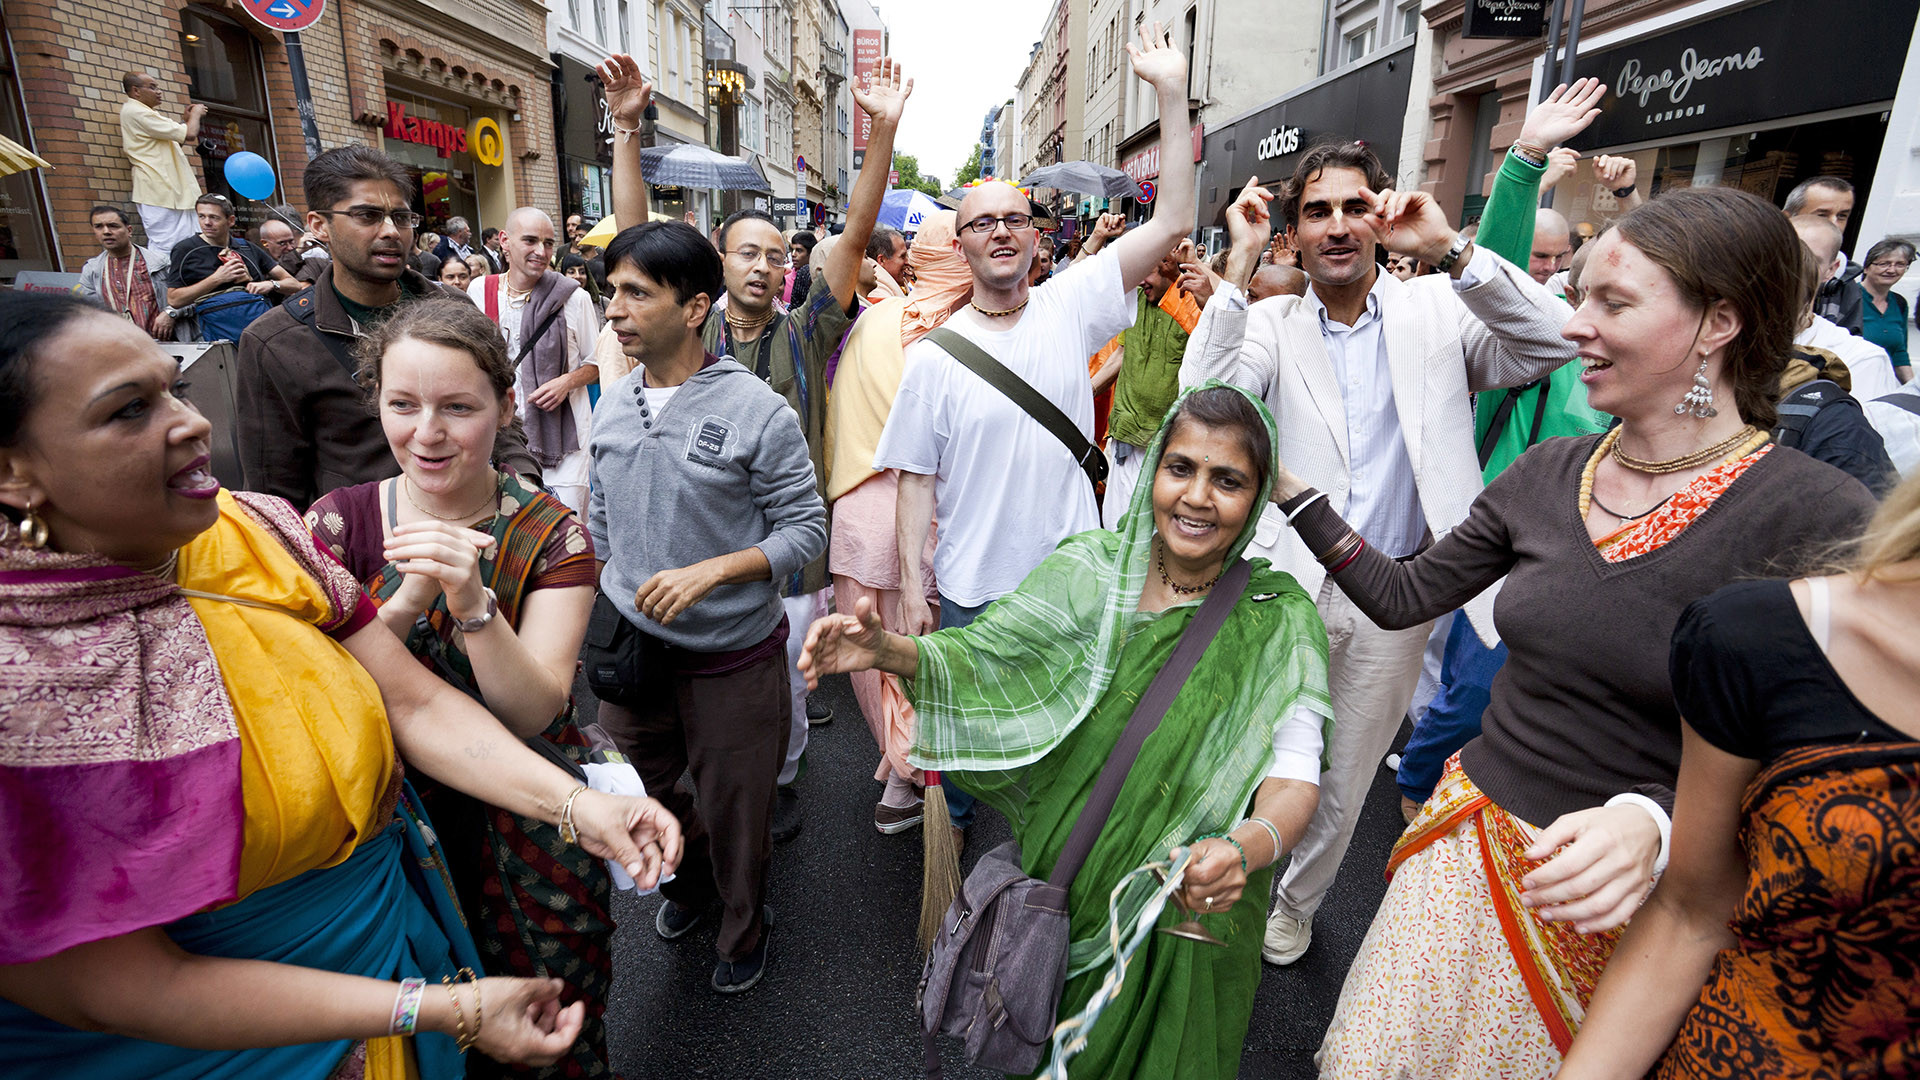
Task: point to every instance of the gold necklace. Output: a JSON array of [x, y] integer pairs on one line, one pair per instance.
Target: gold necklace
[[514, 297], [1758, 440], [406, 488], [1684, 461], [1160, 560], [748, 323], [1014, 310]]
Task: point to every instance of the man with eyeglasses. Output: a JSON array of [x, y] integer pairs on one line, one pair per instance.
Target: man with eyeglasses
[[787, 348], [1004, 489], [303, 423], [532, 301]]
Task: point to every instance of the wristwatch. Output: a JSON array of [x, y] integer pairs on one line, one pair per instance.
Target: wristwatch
[[1623, 192], [478, 622], [1458, 248]]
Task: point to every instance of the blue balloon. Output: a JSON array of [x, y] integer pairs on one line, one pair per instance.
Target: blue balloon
[[249, 175]]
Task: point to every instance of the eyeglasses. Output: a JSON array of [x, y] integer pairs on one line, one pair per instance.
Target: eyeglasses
[[747, 256], [1888, 264], [370, 217], [1013, 222]]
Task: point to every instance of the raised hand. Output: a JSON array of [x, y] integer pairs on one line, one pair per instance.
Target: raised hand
[[1156, 61], [1615, 173], [1565, 113], [1560, 164], [1198, 280], [446, 559], [1249, 221], [1409, 223], [627, 91], [883, 93]]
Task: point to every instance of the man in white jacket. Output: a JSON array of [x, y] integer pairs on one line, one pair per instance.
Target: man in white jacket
[[1368, 377]]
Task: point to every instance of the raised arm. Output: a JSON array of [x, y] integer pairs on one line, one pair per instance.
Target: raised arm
[[883, 94], [1158, 63], [628, 93], [1219, 348]]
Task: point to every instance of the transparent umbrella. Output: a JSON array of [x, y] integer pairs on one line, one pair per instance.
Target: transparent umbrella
[[687, 165]]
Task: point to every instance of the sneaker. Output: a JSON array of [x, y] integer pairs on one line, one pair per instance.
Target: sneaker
[[1287, 939], [740, 976], [786, 813], [674, 921], [896, 819], [818, 712]]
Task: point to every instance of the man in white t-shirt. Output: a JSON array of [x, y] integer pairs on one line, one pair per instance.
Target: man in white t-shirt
[[1005, 490], [550, 382]]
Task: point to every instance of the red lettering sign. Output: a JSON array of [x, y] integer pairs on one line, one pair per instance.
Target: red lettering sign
[[446, 139]]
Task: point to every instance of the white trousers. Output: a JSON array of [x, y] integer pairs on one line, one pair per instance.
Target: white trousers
[[1123, 475], [801, 611], [166, 227], [1371, 677]]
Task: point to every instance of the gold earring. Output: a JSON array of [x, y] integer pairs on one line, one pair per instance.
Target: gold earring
[[33, 531]]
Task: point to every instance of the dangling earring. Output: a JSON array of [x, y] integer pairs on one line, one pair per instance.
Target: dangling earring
[[33, 531], [1699, 400]]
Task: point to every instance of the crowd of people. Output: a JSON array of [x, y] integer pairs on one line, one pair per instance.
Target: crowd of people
[[1618, 520]]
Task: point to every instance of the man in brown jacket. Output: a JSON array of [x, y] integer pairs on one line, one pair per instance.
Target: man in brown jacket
[[304, 424]]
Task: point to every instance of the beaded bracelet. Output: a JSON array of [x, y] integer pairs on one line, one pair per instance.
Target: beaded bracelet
[[1238, 848], [406, 1007]]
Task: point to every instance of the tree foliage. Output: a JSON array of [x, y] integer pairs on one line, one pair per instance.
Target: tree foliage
[[971, 170], [908, 167]]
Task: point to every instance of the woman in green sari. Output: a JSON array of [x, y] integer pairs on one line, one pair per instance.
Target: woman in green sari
[[1028, 701]]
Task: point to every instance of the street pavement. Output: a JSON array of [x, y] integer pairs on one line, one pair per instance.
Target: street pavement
[[837, 1001]]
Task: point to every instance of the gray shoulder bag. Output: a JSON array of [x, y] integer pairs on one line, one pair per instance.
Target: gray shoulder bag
[[994, 977]]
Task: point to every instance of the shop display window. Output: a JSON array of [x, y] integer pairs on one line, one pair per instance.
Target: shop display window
[[224, 73]]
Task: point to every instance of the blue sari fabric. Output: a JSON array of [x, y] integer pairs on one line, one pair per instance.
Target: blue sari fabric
[[383, 913]]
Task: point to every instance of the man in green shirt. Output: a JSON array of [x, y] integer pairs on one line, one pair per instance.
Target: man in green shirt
[[1145, 371]]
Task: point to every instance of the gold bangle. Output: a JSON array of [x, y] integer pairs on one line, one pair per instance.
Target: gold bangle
[[569, 832], [459, 1017], [479, 1008]]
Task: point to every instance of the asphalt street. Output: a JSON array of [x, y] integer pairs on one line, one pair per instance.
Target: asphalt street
[[837, 1001]]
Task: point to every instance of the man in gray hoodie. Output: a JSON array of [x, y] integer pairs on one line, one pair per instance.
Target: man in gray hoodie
[[692, 456]]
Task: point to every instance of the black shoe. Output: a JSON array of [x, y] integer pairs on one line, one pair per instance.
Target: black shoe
[[674, 921], [786, 813], [818, 712], [740, 976]]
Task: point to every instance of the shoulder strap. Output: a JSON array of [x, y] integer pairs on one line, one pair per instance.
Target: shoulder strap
[[1798, 409], [491, 294], [527, 340], [1146, 717], [1908, 402], [1031, 401], [1503, 413], [304, 311]]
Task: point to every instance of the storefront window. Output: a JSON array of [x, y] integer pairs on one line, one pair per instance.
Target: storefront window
[[25, 243], [224, 74], [443, 186]]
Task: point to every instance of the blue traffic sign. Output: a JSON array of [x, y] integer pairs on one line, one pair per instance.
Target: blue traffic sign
[[291, 16]]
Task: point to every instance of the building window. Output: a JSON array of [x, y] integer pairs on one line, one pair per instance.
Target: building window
[[626, 21], [573, 15], [224, 73], [1410, 20], [600, 21], [1357, 43]]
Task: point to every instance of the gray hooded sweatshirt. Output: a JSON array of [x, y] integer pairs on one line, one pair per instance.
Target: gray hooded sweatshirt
[[721, 467]]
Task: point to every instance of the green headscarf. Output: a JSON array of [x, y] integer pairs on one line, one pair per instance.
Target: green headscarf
[[997, 696]]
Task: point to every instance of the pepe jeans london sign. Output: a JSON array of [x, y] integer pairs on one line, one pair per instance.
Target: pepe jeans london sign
[[1764, 63], [1504, 18]]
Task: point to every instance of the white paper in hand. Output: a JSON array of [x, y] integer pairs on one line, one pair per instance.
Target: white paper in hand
[[619, 778]]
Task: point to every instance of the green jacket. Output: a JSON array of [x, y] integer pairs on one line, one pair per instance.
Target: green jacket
[[1506, 229]]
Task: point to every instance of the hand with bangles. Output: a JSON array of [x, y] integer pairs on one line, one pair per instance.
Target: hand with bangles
[[1215, 878], [640, 834]]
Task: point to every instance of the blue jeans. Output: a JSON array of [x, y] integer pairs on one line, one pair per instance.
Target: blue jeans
[[959, 803], [1453, 720]]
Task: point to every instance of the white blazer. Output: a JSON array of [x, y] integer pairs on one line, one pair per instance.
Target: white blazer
[[1442, 342]]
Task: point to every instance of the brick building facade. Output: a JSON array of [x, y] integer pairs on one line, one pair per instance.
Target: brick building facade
[[460, 63]]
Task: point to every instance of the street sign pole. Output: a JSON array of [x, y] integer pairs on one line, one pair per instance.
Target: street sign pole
[[302, 93]]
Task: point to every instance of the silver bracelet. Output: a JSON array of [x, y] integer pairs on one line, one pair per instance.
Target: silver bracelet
[[1272, 831], [1298, 510]]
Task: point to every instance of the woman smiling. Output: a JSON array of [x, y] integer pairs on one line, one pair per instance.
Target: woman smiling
[[215, 868], [1030, 700], [1545, 832]]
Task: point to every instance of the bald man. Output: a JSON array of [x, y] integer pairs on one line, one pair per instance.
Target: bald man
[[1276, 279], [1006, 490], [1867, 363], [1840, 301], [164, 186], [1552, 245], [533, 302]]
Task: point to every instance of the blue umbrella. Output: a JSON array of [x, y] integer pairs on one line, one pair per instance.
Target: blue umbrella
[[906, 208]]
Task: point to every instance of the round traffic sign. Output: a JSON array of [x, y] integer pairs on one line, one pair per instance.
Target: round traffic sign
[[1147, 191], [285, 15]]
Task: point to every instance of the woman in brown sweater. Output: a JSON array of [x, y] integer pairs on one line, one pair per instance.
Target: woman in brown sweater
[[1542, 838]]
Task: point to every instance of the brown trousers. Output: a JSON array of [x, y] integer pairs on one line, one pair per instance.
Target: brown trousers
[[730, 731]]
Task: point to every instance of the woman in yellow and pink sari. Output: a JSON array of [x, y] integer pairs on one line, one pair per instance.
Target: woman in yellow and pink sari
[[211, 866]]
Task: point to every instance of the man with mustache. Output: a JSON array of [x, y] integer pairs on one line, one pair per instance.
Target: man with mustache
[[1369, 375], [787, 348], [303, 424], [534, 303]]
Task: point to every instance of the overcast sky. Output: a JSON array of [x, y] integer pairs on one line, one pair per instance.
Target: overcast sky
[[955, 81]]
